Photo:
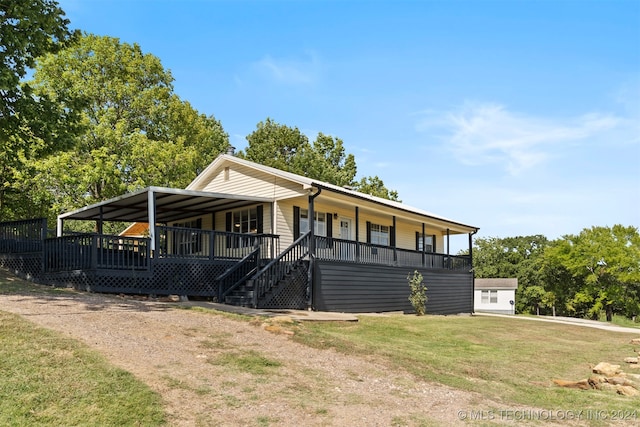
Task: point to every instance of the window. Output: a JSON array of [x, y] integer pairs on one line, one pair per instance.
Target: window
[[188, 242], [489, 297], [379, 234], [420, 243], [245, 221], [320, 221]]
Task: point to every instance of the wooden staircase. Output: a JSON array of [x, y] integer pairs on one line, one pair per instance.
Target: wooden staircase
[[281, 283]]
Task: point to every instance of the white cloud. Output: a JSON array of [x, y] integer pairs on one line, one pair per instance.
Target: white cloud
[[491, 134], [291, 71]]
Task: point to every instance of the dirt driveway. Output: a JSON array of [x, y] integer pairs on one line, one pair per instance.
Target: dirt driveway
[[181, 354]]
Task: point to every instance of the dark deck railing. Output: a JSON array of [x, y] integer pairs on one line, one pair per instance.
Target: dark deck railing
[[96, 251], [182, 242], [269, 276], [93, 251], [331, 249], [238, 274], [22, 236]]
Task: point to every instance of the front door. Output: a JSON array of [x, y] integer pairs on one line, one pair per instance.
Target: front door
[[346, 250], [345, 228]]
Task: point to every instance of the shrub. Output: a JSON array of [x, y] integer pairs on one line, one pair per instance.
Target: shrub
[[418, 295]]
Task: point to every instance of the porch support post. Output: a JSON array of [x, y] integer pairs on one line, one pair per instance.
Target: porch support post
[[357, 234], [424, 247], [448, 257], [312, 227], [59, 226], [151, 214], [312, 247], [472, 271], [99, 223], [395, 252], [274, 227]]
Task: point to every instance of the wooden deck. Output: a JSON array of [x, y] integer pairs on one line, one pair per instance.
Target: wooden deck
[[215, 265]]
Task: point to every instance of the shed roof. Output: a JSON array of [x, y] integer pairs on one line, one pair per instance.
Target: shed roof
[[511, 283]]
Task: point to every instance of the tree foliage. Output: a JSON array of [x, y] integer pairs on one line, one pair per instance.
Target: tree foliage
[[29, 124], [519, 257], [276, 145], [596, 271], [375, 187], [326, 159], [605, 262], [136, 130]]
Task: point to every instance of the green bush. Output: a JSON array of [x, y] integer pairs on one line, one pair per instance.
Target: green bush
[[418, 295]]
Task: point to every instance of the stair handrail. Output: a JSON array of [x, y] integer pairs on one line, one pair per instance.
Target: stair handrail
[[275, 271], [252, 257]]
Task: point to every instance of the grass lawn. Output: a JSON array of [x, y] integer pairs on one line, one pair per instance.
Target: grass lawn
[[510, 360], [50, 380]]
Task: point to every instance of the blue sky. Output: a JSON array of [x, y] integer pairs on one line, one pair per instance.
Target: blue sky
[[519, 117]]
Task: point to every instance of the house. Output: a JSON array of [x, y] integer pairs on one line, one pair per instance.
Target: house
[[248, 234], [495, 295]]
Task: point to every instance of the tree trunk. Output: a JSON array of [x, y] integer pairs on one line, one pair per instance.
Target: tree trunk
[[609, 313]]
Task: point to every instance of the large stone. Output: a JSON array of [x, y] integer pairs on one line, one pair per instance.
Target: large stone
[[634, 377], [635, 341], [619, 381], [582, 384], [606, 387], [631, 359], [627, 391], [606, 369], [633, 380], [594, 380]]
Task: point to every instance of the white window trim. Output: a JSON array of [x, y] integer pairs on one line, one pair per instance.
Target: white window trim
[[320, 222], [242, 224], [380, 234]]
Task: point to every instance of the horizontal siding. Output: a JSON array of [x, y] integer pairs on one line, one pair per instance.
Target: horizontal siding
[[251, 182], [360, 289], [284, 220]]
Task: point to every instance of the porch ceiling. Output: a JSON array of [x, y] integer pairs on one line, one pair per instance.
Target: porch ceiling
[[387, 207], [171, 205]]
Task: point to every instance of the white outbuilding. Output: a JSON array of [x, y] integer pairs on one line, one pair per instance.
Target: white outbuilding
[[495, 295]]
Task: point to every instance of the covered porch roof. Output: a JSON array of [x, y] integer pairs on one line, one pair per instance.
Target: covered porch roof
[[159, 205]]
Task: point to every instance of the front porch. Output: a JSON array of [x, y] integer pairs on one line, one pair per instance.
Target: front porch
[[227, 267]]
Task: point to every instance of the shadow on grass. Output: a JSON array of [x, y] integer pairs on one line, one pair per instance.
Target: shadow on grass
[[50, 296]]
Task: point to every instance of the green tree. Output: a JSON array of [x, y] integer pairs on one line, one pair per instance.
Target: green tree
[[520, 257], [29, 125], [137, 131], [276, 145], [326, 160], [603, 264], [375, 186], [288, 149]]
